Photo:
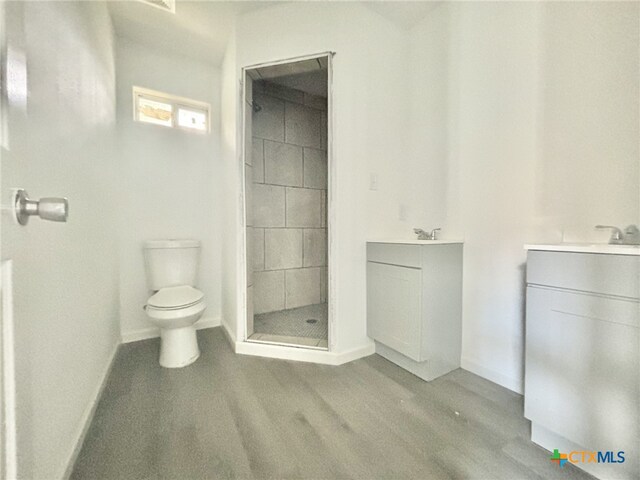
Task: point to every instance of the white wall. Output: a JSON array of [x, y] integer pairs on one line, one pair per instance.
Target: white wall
[[230, 187], [589, 165], [527, 115], [370, 130], [168, 183], [503, 123], [65, 274]]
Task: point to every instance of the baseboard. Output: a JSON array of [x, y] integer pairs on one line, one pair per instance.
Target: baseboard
[[513, 384], [301, 354], [231, 338], [88, 414], [153, 332], [354, 354]]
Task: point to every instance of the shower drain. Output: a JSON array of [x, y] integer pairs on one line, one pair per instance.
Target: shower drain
[[312, 320]]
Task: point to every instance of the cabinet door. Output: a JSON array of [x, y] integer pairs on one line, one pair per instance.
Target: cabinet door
[[581, 377], [394, 306]]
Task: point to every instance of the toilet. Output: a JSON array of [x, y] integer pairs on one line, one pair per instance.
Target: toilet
[[172, 269]]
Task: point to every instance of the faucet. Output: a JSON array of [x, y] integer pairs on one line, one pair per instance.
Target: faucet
[[631, 235], [422, 235], [616, 233]]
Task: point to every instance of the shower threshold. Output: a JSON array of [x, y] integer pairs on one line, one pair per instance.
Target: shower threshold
[[300, 342]]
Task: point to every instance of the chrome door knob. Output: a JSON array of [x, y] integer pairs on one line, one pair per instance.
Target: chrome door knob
[[52, 208]]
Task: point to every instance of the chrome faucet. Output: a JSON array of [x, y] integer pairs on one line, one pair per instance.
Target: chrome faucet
[[616, 233], [422, 235], [631, 235]]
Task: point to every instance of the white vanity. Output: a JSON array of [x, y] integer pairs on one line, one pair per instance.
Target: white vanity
[[414, 303], [582, 373]]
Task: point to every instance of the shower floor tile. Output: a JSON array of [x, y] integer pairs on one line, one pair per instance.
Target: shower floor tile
[[293, 322]]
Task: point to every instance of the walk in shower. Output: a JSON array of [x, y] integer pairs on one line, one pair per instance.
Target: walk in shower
[[286, 186]]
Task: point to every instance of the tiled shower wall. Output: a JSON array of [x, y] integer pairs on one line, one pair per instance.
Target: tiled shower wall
[[288, 236]]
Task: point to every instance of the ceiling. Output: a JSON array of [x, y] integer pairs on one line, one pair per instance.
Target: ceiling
[[200, 29], [308, 76], [314, 83], [404, 14]]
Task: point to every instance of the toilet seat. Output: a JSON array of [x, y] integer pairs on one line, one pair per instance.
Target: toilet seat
[[175, 298]]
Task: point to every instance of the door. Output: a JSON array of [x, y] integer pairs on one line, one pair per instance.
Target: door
[[582, 363], [288, 177], [393, 307], [58, 123]]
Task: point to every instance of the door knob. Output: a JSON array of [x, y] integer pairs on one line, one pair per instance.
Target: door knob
[[51, 208]]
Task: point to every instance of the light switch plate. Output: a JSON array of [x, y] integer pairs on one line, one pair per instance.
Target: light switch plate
[[373, 181], [403, 212]]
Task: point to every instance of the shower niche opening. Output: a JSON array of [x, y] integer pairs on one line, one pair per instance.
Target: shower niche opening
[[287, 181]]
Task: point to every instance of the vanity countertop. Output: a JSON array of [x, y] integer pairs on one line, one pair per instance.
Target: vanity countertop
[[413, 241], [587, 248]]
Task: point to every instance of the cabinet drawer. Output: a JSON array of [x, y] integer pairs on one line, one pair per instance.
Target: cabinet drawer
[[394, 299], [605, 274], [394, 254], [582, 359]]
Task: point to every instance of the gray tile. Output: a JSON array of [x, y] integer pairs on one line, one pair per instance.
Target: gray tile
[[284, 93], [268, 206], [257, 158], [268, 123], [315, 247], [282, 248], [315, 101], [248, 153], [258, 86], [258, 249], [294, 322], [282, 164], [304, 207], [324, 130], [249, 254], [315, 168], [248, 189], [302, 287], [268, 291], [303, 125]]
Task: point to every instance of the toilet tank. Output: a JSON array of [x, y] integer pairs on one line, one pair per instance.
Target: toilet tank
[[170, 263]]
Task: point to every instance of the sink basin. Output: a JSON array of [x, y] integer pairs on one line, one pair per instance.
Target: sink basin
[[606, 248]]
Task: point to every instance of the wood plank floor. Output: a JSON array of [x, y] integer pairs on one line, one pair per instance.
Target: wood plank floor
[[235, 416]]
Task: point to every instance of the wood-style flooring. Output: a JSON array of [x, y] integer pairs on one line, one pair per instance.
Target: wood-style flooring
[[235, 416]]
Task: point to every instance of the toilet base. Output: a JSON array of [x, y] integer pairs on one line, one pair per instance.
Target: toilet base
[[178, 347]]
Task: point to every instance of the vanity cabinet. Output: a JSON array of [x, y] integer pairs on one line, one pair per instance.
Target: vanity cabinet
[[582, 372], [414, 304]]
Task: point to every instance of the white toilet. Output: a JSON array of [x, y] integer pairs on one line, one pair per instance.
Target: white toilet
[[172, 268]]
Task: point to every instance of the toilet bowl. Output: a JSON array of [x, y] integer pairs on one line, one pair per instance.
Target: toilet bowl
[[175, 310], [176, 305]]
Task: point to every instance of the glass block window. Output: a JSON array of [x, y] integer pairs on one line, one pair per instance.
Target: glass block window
[[152, 111], [192, 118], [158, 108]]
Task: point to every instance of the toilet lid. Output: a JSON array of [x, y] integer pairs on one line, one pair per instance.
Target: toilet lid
[[175, 297]]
